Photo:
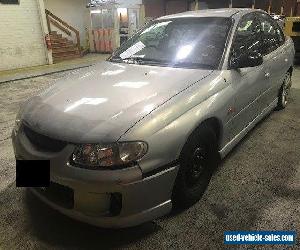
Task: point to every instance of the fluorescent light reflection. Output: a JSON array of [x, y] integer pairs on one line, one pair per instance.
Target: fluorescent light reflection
[[113, 72], [183, 52], [148, 108], [88, 101], [132, 85], [132, 50]]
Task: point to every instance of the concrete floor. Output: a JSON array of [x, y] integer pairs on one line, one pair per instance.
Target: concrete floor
[[24, 73], [257, 187]]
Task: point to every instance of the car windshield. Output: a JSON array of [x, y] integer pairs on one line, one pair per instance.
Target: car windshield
[[181, 42]]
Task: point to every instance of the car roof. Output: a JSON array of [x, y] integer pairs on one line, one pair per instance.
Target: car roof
[[226, 12]]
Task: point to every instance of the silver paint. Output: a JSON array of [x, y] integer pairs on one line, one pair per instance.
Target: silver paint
[[162, 106]]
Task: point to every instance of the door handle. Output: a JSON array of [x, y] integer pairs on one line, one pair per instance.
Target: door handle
[[267, 74]]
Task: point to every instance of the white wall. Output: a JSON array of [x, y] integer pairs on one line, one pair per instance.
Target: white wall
[[128, 3], [21, 36], [74, 12]]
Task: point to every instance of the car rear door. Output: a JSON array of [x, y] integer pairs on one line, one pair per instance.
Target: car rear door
[[276, 59], [246, 82]]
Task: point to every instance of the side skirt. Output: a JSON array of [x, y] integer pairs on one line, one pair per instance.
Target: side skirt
[[229, 146]]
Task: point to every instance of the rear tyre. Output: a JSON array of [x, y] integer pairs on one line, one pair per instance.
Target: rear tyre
[[284, 92], [199, 158]]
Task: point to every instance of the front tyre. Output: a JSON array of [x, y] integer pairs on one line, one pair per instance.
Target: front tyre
[[284, 92], [198, 160]]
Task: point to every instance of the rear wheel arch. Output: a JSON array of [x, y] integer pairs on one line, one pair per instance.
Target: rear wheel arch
[[291, 69], [284, 90]]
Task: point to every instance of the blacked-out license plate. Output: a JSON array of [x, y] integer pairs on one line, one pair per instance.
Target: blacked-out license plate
[[34, 173]]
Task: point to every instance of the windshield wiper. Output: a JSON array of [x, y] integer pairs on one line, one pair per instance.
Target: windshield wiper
[[142, 60], [151, 61], [115, 59], [137, 60]]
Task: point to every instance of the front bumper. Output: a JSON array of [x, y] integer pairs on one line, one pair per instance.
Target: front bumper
[[142, 199]]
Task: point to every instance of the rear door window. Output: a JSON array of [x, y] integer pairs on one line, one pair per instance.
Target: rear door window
[[271, 33]]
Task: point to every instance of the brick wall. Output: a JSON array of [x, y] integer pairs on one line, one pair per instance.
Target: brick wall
[[289, 5], [242, 3], [262, 4], [154, 8], [176, 6], [21, 36], [213, 4]]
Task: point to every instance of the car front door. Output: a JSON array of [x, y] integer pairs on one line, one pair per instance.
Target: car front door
[[275, 58], [247, 83]]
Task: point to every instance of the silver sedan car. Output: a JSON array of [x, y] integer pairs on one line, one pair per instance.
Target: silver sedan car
[[131, 137]]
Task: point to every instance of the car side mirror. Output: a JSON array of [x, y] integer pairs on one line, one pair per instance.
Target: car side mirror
[[246, 60]]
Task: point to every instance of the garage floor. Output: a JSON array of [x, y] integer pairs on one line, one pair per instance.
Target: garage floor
[[257, 187]]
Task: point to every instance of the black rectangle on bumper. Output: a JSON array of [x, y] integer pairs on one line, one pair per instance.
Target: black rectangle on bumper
[[32, 173]]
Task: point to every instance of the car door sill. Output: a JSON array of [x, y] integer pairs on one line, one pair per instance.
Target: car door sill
[[227, 148]]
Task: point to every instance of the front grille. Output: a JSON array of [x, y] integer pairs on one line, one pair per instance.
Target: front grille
[[61, 195], [42, 142]]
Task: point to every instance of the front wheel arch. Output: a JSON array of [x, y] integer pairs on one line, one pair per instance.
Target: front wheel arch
[[212, 122], [184, 195]]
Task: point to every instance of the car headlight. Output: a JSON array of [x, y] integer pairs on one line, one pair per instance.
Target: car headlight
[[108, 155]]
